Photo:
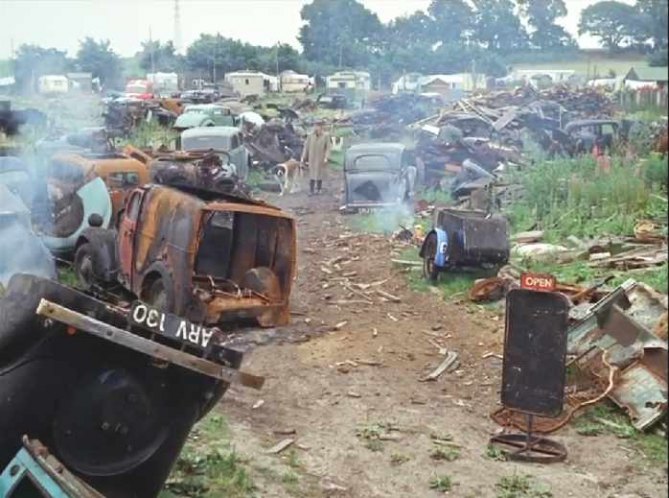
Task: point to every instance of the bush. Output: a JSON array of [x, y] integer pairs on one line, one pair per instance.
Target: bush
[[659, 58]]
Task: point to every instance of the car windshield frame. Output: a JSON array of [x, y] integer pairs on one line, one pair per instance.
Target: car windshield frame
[[206, 142]]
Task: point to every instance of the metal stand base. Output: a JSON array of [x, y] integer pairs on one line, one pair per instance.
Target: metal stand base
[[529, 448], [537, 449]]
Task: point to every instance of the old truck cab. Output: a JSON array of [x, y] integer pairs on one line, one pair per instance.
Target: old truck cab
[[209, 257]]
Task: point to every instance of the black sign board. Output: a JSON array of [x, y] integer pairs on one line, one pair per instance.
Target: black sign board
[[535, 350], [204, 339]]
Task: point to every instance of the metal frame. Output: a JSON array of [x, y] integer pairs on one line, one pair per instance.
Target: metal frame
[[129, 340], [45, 472]]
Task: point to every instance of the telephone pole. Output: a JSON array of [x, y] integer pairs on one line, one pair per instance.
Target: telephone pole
[[177, 27]]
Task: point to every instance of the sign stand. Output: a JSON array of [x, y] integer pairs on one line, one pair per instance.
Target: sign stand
[[529, 448], [535, 342]]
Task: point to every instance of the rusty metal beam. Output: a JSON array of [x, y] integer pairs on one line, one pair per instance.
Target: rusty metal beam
[[107, 332]]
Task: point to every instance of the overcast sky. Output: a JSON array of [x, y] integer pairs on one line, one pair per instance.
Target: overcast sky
[[62, 23]]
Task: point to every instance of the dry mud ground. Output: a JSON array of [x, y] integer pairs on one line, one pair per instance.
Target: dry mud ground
[[333, 386]]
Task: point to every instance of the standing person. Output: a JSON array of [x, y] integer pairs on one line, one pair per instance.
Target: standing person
[[316, 153]]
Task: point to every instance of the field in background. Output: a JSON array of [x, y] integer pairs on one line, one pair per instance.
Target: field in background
[[590, 64]]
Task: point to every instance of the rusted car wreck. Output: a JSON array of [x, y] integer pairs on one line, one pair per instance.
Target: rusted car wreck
[[210, 257]]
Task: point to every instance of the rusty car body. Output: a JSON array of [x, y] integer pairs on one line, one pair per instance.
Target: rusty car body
[[210, 257], [119, 171]]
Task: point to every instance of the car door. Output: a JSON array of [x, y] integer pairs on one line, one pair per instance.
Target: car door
[[126, 235]]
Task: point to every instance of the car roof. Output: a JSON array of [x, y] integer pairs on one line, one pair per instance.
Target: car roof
[[204, 107], [376, 148], [211, 131]]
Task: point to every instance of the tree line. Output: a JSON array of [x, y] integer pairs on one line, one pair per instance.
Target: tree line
[[450, 36]]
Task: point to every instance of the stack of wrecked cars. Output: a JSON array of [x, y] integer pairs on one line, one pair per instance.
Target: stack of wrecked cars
[[126, 365]]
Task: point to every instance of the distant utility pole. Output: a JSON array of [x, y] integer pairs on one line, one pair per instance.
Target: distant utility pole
[[214, 61], [177, 27], [277, 59], [151, 52]]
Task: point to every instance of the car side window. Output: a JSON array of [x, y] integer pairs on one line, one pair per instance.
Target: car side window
[[234, 142], [133, 206], [123, 179]]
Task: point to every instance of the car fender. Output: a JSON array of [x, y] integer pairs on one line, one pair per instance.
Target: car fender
[[441, 255], [96, 200]]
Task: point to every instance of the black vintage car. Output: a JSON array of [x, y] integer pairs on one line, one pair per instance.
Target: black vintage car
[[378, 175]]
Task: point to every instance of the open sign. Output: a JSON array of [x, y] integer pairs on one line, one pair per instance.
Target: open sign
[[537, 282]]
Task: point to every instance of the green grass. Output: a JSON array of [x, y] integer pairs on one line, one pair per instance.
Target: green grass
[[521, 486], [568, 197], [441, 483], [495, 453], [371, 434], [447, 454], [606, 418], [208, 466], [382, 221], [399, 458], [592, 65]]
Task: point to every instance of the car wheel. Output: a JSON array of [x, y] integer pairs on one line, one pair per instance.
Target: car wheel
[[430, 269]]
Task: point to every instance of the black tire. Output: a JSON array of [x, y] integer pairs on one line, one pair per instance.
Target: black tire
[[84, 266], [430, 270]]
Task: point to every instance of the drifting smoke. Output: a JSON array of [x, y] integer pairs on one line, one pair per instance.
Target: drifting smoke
[[29, 199], [21, 251], [391, 218]]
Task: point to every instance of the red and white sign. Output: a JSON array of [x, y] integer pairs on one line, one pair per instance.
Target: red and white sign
[[537, 282]]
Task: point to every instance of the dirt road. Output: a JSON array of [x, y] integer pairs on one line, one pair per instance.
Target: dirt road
[[345, 378]]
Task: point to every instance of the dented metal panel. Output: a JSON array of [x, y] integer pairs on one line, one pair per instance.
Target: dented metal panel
[[641, 385]]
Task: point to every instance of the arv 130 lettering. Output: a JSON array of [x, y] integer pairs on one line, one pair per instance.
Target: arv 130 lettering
[[154, 319]]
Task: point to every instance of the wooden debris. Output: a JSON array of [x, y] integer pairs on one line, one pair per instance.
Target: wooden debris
[[352, 394], [258, 404], [448, 363], [279, 447], [349, 274], [340, 325], [390, 437], [370, 363], [388, 296], [350, 301], [492, 355], [325, 270], [285, 432], [528, 237], [403, 262], [375, 332], [392, 317]]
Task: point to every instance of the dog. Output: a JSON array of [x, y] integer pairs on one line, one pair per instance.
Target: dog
[[289, 176]]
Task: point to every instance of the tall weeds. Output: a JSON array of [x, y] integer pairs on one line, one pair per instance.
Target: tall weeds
[[572, 197]]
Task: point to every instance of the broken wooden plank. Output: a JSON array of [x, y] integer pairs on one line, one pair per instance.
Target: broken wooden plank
[[280, 446], [388, 296], [403, 262], [448, 362]]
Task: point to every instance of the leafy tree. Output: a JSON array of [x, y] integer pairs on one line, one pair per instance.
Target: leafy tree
[[32, 61], [417, 28], [654, 20], [614, 23], [216, 55], [541, 16], [453, 20], [100, 60], [340, 32], [159, 56], [498, 28]]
